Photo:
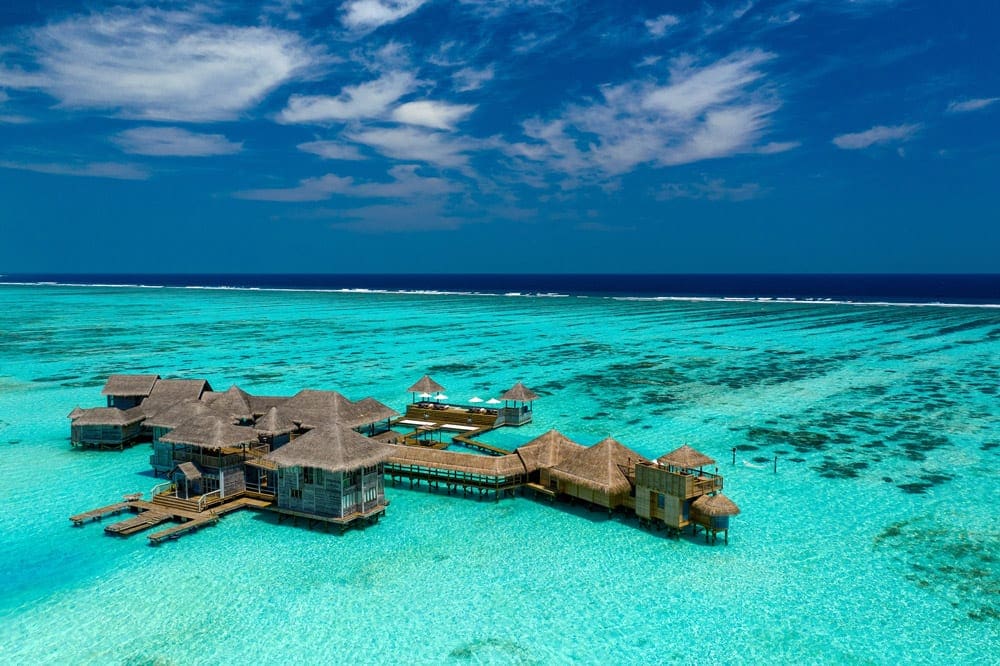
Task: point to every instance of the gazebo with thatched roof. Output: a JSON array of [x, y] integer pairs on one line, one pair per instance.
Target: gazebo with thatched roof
[[517, 404], [685, 457], [600, 474], [544, 452], [424, 387], [331, 473], [712, 512]]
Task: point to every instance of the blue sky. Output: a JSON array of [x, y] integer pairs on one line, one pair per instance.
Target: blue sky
[[501, 136]]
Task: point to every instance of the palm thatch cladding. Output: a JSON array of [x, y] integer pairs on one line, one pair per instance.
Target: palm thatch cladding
[[313, 409], [426, 385], [333, 449], [598, 474], [273, 423], [371, 410], [75, 413], [546, 451], [211, 432], [189, 470], [168, 392], [715, 506], [685, 457], [520, 393], [129, 385]]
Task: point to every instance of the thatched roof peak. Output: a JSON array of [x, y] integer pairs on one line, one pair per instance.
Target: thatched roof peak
[[715, 505], [177, 413], [129, 385], [273, 423], [426, 385], [687, 457], [210, 431], [233, 403], [547, 450], [519, 392], [372, 410], [189, 470], [331, 448], [602, 467], [75, 413], [168, 392]]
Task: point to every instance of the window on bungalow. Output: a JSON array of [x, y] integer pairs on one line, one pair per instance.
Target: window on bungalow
[[307, 475]]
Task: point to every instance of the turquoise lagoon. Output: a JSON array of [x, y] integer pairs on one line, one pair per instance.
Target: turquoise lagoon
[[877, 540]]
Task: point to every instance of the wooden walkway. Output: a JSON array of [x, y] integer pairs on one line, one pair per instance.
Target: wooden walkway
[[466, 440], [97, 514]]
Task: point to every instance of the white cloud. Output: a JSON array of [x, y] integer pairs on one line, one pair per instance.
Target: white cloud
[[702, 112], [436, 115], [415, 144], [174, 142], [967, 105], [405, 184], [371, 14], [787, 18], [112, 170], [156, 64], [775, 147], [880, 134], [714, 189], [366, 100], [469, 78], [659, 25], [331, 150]]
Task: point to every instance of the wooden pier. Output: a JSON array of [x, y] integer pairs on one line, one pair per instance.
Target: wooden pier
[[164, 508]]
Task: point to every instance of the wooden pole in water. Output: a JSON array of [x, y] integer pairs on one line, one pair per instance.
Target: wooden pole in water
[[734, 455], [775, 464]]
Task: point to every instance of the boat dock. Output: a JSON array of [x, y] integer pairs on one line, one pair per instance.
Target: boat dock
[[162, 509]]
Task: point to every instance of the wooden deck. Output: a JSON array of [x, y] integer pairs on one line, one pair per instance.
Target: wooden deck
[[341, 522], [161, 510]]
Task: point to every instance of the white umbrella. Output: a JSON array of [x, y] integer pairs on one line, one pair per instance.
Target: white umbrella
[[440, 396], [492, 401], [475, 398], [425, 395]]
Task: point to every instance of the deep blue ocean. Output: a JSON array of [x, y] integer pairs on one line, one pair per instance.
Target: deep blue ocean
[[861, 288]]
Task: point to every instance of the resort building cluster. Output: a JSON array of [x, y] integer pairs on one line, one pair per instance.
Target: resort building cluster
[[320, 457]]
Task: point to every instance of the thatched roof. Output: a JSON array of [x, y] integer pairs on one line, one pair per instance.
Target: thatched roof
[[168, 392], [547, 451], [469, 463], [130, 385], [312, 409], [601, 467], [687, 457], [108, 416], [331, 448], [259, 404], [426, 385], [189, 470], [178, 413], [715, 505], [519, 392], [210, 431], [273, 423], [233, 403], [75, 413], [372, 410]]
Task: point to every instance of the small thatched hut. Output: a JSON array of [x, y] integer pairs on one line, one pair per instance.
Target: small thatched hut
[[331, 472], [602, 474], [127, 391], [106, 427], [712, 512], [273, 429], [517, 407], [233, 404]]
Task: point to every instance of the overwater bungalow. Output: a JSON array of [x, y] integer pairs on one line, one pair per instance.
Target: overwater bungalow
[[667, 489], [332, 474], [218, 448], [162, 458], [602, 474], [106, 427], [517, 405], [127, 391]]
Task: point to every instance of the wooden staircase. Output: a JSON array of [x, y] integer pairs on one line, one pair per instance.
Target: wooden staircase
[[168, 501]]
